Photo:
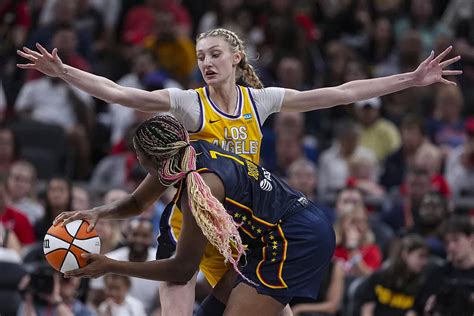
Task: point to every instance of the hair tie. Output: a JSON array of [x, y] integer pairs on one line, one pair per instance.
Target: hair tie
[[187, 173]]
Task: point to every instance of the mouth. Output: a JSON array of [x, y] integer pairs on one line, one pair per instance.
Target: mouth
[[210, 74]]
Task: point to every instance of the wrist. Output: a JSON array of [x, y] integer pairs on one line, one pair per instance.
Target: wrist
[[63, 72]]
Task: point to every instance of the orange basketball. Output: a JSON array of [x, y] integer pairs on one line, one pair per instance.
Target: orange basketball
[[64, 244]]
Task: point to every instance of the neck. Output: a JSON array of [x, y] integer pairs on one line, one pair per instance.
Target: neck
[[225, 96]]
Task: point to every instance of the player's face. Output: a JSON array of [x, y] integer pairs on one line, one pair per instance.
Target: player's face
[[215, 60]]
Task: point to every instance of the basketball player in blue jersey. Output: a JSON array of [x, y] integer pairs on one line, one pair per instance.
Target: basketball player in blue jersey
[[226, 114], [282, 241]]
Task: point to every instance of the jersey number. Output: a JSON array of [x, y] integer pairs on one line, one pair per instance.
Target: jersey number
[[214, 155]]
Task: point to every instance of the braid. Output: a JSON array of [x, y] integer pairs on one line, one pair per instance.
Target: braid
[[166, 141], [246, 71]]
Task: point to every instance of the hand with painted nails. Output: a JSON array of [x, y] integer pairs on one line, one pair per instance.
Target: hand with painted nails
[[48, 63], [98, 265], [432, 69], [91, 216]]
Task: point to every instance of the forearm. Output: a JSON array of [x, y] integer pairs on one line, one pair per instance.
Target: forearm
[[97, 86], [121, 209], [169, 270], [359, 90]]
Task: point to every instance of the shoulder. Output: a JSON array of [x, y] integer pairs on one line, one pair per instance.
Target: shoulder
[[266, 92]]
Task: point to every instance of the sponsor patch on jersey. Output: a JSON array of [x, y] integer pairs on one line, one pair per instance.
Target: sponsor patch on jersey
[[248, 116], [265, 185]]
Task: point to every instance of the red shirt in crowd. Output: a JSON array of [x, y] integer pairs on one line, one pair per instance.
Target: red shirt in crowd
[[371, 255], [19, 224]]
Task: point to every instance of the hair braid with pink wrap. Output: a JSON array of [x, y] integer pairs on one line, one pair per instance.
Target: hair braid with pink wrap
[[166, 142]]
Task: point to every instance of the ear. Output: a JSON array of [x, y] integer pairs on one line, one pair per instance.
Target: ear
[[237, 57]]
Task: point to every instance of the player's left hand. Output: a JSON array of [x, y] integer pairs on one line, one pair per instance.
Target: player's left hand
[[432, 69], [98, 266]]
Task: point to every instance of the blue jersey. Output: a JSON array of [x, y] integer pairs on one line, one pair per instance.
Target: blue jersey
[[253, 196]]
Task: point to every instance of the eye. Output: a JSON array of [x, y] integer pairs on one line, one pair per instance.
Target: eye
[[215, 55]]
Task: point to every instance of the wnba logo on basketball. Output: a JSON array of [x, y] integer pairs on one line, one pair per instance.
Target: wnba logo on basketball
[[265, 185]]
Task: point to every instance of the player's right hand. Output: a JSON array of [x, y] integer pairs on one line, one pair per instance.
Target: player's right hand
[[91, 216], [48, 63]]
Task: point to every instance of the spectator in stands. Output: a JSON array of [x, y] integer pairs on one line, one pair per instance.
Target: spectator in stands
[[141, 20], [80, 198], [434, 209], [302, 176], [378, 134], [363, 175], [11, 270], [286, 142], [64, 16], [62, 300], [355, 243], [446, 127], [8, 149], [14, 220], [394, 289], [431, 158], [51, 101], [143, 74], [449, 288], [139, 240], [118, 301], [21, 187], [333, 163], [382, 48], [460, 165], [58, 198], [422, 18], [330, 295], [413, 137], [115, 171], [174, 53]]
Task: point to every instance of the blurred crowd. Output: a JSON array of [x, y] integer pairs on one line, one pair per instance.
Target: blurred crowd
[[394, 174]]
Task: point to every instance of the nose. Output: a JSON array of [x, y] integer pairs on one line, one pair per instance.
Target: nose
[[207, 60]]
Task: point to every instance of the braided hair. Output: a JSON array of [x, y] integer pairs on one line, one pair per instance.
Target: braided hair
[[245, 69], [166, 142]]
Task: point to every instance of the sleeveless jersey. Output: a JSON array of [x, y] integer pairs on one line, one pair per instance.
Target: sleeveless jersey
[[254, 197], [239, 133]]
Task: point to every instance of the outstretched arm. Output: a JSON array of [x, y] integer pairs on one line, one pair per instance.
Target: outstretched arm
[[428, 72], [133, 204], [97, 86], [179, 268]]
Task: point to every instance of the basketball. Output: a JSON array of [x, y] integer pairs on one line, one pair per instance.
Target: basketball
[[64, 244]]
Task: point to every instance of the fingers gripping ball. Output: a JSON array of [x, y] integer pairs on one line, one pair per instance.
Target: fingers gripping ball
[[64, 244]]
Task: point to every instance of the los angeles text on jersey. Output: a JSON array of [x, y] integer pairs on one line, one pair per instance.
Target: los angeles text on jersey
[[236, 141]]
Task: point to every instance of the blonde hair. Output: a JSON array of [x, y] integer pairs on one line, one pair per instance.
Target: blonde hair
[[166, 142], [245, 69]]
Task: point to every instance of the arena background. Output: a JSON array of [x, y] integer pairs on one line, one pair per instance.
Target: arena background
[[409, 155]]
